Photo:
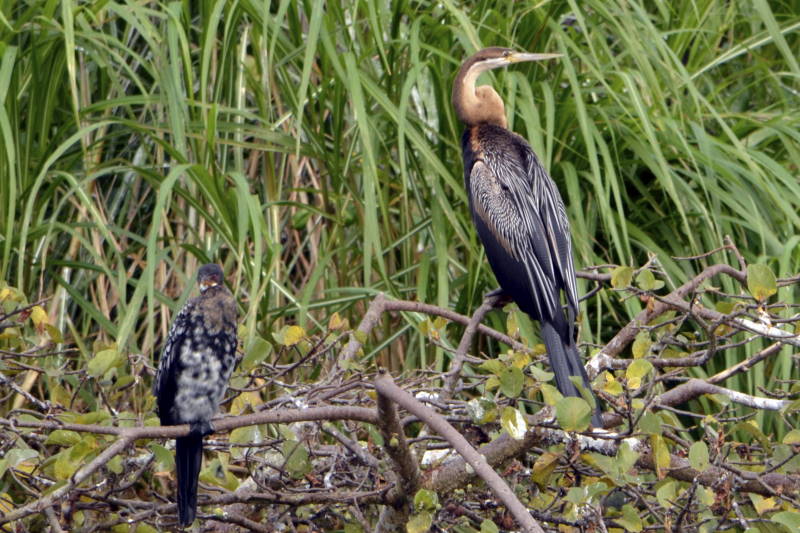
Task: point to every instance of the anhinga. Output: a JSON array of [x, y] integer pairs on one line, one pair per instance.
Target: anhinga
[[519, 215], [193, 373]]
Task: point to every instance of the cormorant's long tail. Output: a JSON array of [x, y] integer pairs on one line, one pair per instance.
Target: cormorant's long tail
[[188, 457], [566, 362]]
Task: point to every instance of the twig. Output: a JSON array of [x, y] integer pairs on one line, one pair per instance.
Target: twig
[[457, 362], [381, 304]]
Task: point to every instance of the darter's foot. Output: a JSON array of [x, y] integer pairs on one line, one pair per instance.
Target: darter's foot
[[500, 297]]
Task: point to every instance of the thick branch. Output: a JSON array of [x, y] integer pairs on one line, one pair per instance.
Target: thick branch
[[386, 386]]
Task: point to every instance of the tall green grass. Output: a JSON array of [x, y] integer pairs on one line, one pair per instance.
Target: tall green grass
[[311, 148]]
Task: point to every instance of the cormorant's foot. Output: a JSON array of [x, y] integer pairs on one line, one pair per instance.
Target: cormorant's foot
[[500, 297], [202, 428]]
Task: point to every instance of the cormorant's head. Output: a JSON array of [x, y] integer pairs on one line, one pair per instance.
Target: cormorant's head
[[209, 275]]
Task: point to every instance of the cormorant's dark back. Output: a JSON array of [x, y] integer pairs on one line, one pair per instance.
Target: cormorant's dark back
[[193, 373], [519, 215]]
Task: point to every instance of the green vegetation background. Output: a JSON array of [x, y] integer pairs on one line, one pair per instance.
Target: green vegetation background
[[311, 148]]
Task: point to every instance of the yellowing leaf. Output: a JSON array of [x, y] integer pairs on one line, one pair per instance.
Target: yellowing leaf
[[660, 455], [761, 282], [543, 468], [244, 400], [520, 360], [5, 503], [419, 523], [762, 504], [336, 323], [291, 335], [513, 422], [637, 370], [39, 317], [611, 385]]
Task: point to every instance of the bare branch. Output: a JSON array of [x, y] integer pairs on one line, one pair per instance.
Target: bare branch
[[386, 386]]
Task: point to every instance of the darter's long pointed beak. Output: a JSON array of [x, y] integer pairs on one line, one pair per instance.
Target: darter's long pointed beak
[[518, 57]]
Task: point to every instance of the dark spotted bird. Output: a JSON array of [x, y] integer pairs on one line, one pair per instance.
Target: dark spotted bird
[[519, 215], [193, 373]]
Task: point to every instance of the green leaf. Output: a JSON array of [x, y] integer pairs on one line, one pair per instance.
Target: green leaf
[[630, 519], [576, 495], [115, 464], [790, 519], [667, 493], [514, 423], [698, 456], [102, 362], [426, 500], [165, 460], [650, 423], [793, 437], [360, 336], [62, 437], [573, 414], [217, 473], [487, 526], [15, 457], [492, 366], [511, 381], [551, 394], [647, 281], [256, 354], [626, 458], [761, 282], [621, 277], [244, 435], [641, 344], [296, 457], [753, 431], [419, 523]]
